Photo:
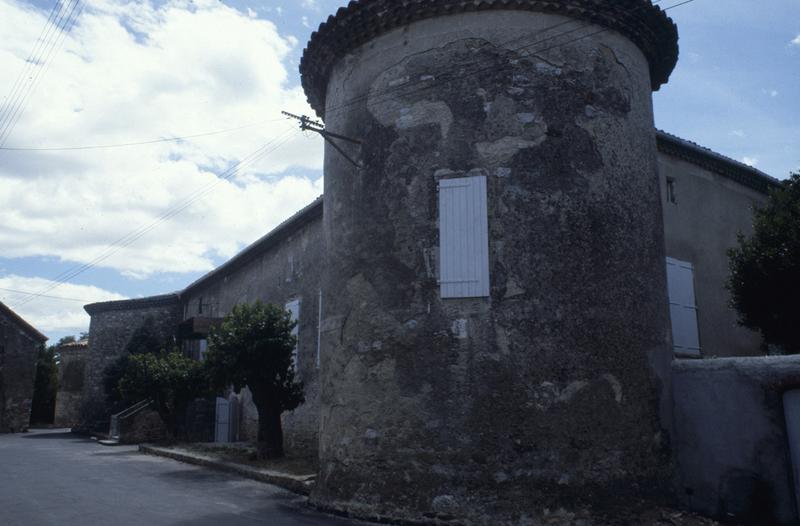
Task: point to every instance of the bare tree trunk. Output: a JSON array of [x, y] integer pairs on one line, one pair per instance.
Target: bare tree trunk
[[270, 431]]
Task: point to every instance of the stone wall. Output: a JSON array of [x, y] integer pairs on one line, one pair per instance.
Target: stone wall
[[284, 266], [730, 438], [552, 390], [19, 347], [112, 325], [708, 212], [71, 372]]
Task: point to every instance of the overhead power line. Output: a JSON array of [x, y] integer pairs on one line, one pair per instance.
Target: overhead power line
[[134, 235], [29, 63], [53, 40], [36, 294], [139, 143]]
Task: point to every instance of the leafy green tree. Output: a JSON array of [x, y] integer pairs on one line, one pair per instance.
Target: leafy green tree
[[171, 380], [253, 348], [45, 387], [765, 270]]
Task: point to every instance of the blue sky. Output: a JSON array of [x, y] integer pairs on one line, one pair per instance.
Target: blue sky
[[132, 71]]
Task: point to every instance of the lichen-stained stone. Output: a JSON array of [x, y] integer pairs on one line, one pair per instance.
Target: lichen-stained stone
[[552, 390]]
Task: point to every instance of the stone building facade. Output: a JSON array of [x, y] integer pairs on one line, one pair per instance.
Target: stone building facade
[[71, 369], [283, 268], [491, 299], [19, 346], [112, 325]]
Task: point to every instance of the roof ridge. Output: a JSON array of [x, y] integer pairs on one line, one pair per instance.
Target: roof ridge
[[30, 329]]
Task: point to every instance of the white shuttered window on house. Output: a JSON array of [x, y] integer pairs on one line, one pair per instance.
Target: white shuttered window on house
[[463, 238], [294, 308], [683, 307]]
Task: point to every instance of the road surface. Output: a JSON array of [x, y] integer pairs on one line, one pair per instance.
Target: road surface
[[54, 477]]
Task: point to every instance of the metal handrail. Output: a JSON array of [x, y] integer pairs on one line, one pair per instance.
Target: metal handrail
[[113, 431]]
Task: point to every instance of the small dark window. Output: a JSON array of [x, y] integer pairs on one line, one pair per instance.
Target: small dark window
[[200, 306], [2, 349], [671, 198]]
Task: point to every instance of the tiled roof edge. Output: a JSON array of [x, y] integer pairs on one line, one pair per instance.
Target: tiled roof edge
[[644, 24], [27, 327], [288, 227], [715, 162], [132, 304]]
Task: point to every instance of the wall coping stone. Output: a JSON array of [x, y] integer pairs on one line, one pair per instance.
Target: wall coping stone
[[133, 304], [780, 373]]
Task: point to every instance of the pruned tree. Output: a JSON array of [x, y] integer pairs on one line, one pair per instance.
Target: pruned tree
[[253, 348], [171, 380], [765, 270]]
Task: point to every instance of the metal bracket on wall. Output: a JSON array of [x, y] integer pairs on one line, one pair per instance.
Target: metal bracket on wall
[[311, 125]]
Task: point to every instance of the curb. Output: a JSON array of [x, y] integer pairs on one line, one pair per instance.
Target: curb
[[301, 485]]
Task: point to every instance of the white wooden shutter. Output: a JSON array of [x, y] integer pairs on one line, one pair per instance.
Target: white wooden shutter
[[294, 308], [683, 307], [463, 238]]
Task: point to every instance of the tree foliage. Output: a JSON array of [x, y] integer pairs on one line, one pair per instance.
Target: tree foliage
[[765, 270], [144, 340], [171, 380], [253, 348], [45, 388]]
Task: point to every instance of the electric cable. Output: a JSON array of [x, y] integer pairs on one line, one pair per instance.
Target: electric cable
[[139, 143], [55, 43], [27, 293], [29, 62], [135, 235]]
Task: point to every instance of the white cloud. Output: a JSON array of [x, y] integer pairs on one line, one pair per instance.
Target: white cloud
[[749, 161], [51, 315], [314, 6], [796, 41], [131, 72], [738, 133]]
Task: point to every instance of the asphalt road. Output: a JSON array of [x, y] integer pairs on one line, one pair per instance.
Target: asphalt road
[[53, 477]]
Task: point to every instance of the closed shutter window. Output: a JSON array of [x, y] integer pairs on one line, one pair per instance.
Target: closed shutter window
[[463, 238], [294, 308], [683, 307]]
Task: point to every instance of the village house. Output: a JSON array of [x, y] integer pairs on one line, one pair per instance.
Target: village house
[[516, 294], [19, 347]]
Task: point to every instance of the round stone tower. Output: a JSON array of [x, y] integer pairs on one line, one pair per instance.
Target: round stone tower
[[495, 335]]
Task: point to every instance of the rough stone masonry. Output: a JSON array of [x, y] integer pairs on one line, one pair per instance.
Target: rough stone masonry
[[552, 388], [19, 346]]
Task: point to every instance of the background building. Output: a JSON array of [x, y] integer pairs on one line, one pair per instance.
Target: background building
[[19, 346]]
